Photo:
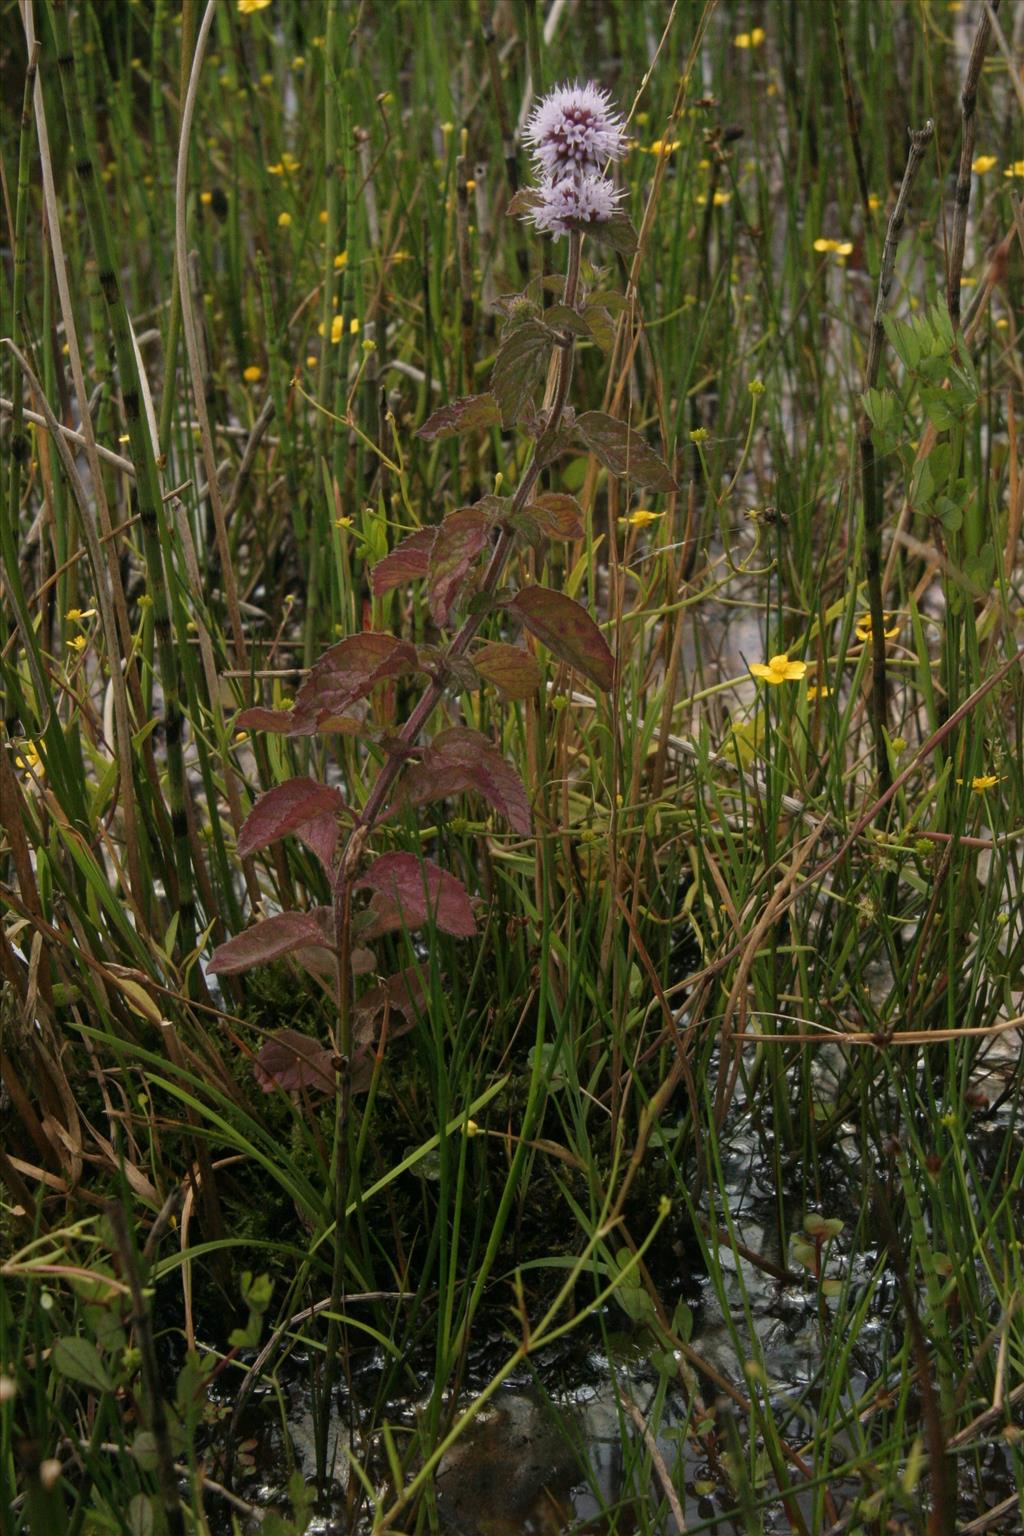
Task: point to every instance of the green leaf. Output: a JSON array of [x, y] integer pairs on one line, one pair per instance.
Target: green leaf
[[618, 232], [519, 365], [80, 1360], [565, 319], [601, 326], [144, 1451], [140, 1515]]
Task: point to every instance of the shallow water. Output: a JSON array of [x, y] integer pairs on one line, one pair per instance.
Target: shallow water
[[558, 1451]]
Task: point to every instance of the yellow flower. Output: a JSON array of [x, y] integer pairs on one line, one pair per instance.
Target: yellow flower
[[311, 361], [248, 7], [874, 202], [840, 248], [862, 628], [266, 78], [818, 691], [78, 643], [749, 39], [779, 669], [284, 220], [340, 260], [76, 615], [343, 522], [252, 374], [721, 198], [983, 163], [337, 330], [641, 518], [1015, 168], [28, 760], [663, 147], [206, 198], [322, 215], [983, 781], [298, 62], [353, 326]]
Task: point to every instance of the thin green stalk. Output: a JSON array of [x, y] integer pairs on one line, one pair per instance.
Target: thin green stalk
[[156, 535], [871, 487]]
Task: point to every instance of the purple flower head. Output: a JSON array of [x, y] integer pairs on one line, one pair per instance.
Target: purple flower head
[[573, 200], [575, 130]]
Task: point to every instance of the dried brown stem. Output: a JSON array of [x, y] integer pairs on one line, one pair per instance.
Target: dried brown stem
[[968, 102]]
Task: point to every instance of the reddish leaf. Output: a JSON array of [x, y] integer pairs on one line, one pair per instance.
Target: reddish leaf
[[280, 721], [568, 630], [291, 1061], [318, 962], [283, 809], [346, 674], [623, 451], [321, 837], [471, 411], [558, 516], [459, 759], [270, 939], [521, 360], [408, 892], [403, 993], [363, 961], [407, 562], [459, 540], [512, 670]]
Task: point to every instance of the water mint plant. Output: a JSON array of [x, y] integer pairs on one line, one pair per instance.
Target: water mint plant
[[462, 563]]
